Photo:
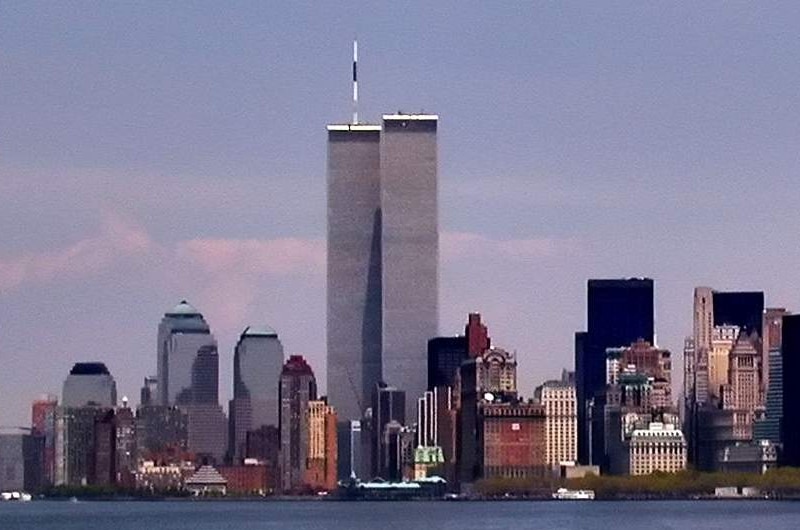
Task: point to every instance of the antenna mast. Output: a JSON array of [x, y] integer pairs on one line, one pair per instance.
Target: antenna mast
[[355, 82]]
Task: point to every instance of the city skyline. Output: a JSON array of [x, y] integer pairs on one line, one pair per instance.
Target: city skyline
[[571, 147]]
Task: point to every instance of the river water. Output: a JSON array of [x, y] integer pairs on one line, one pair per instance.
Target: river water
[[516, 515]]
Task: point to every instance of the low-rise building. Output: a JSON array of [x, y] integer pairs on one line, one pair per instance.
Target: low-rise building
[[660, 447]]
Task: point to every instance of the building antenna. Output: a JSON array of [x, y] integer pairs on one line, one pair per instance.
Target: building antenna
[[355, 82]]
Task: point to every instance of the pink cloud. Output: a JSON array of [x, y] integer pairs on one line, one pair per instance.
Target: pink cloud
[[254, 256], [117, 239]]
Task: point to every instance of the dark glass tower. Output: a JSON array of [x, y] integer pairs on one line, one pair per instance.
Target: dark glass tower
[[445, 355], [790, 420], [257, 365], [354, 267], [619, 312], [743, 309]]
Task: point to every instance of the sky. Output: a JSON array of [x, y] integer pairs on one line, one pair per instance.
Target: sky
[[158, 151]]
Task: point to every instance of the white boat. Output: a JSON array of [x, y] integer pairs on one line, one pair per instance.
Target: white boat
[[18, 496], [563, 494]]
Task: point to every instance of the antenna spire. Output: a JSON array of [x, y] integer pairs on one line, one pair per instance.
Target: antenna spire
[[355, 82]]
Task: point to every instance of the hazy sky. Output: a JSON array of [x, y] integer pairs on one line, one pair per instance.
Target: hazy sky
[[154, 151]]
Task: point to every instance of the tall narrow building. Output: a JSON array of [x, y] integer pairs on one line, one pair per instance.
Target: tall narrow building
[[410, 249], [354, 267], [790, 415], [257, 364], [619, 312], [298, 386], [181, 334]]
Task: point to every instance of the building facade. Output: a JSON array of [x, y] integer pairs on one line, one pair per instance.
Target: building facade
[[298, 387], [257, 365], [409, 248], [660, 448], [790, 418], [181, 334], [561, 422], [354, 273], [619, 312], [43, 423], [89, 384], [321, 464]]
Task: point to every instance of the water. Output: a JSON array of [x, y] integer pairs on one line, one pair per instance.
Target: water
[[519, 515]]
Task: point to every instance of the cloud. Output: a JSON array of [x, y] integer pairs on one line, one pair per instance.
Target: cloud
[[460, 245], [118, 239], [254, 256]]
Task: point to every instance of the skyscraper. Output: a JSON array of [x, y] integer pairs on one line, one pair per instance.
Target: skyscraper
[[43, 423], [181, 334], [89, 384], [410, 248], [558, 400], [388, 406], [321, 461], [619, 312], [298, 386], [790, 419], [257, 364], [354, 267], [206, 420]]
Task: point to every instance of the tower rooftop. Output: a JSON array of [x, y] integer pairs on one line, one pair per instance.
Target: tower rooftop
[[183, 308]]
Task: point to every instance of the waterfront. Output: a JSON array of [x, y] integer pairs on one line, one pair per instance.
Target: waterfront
[[522, 515]]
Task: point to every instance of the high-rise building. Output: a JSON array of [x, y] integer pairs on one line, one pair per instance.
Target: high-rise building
[[149, 392], [207, 424], [89, 384], [388, 405], [21, 466], [790, 350], [771, 341], [742, 393], [126, 453], [768, 427], [161, 430], [354, 294], [740, 308], [85, 446], [722, 340], [321, 462], [427, 419], [409, 248], [181, 334], [489, 378], [43, 423], [561, 422], [445, 355], [297, 387], [257, 364], [477, 335], [619, 312]]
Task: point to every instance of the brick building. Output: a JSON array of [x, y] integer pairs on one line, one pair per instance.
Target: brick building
[[512, 440]]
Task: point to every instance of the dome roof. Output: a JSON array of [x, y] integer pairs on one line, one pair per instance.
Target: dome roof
[[183, 308], [259, 331]]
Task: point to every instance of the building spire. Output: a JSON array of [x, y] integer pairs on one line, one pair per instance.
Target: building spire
[[355, 82]]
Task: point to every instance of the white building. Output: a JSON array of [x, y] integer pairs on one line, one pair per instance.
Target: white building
[[561, 422], [660, 447]]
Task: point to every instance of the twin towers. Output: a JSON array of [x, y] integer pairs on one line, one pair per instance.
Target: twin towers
[[383, 258]]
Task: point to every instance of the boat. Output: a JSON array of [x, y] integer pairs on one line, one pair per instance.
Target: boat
[[563, 494], [16, 496]]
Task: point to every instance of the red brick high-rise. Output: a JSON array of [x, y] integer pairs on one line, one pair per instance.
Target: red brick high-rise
[[43, 423], [477, 336]]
